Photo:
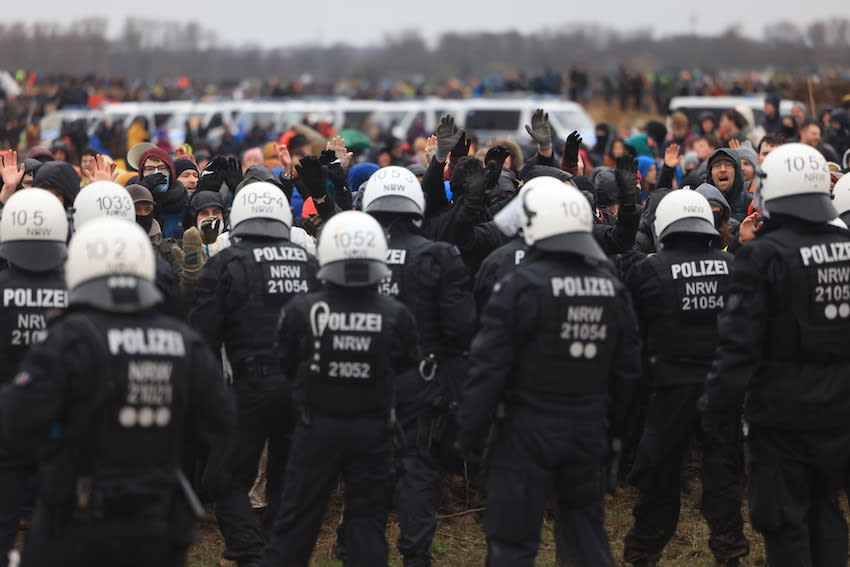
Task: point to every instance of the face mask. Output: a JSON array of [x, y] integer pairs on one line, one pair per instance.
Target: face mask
[[146, 222], [717, 217], [162, 187], [214, 222]]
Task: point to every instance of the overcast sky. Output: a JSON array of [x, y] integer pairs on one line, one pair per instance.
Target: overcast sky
[[364, 22]]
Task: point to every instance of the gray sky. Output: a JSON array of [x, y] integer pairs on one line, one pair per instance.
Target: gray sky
[[364, 22]]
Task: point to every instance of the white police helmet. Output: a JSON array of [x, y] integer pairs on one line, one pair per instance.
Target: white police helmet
[[394, 189], [352, 250], [841, 197], [796, 183], [683, 211], [33, 230], [261, 209], [557, 217], [103, 199], [111, 265]]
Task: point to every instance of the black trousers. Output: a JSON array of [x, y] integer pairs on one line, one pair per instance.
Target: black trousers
[[360, 451], [672, 420], [528, 451], [17, 493], [264, 411], [416, 494], [794, 481]]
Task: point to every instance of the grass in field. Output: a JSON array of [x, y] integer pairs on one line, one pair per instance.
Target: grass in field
[[461, 543]]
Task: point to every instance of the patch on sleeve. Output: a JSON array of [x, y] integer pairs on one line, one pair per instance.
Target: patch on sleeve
[[455, 251], [734, 302], [22, 379], [497, 287]]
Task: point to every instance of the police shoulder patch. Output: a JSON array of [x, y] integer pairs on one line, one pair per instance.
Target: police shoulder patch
[[22, 379]]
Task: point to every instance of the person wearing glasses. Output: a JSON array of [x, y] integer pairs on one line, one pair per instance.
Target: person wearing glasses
[[157, 175]]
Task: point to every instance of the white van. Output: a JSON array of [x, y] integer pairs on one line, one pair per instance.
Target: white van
[[695, 106]]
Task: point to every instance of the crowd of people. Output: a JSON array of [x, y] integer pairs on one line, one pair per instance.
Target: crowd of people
[[253, 326], [36, 94]]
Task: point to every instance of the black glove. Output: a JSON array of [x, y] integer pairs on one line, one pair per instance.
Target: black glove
[[498, 154], [480, 183], [539, 129], [571, 147], [314, 175], [625, 174], [327, 157], [461, 149], [447, 137], [232, 174], [152, 180], [213, 175]]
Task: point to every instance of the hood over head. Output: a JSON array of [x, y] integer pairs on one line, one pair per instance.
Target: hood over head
[[60, 177]]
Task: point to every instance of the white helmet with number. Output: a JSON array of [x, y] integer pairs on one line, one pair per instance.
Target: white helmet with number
[[33, 230], [111, 266], [841, 197], [557, 217], [352, 250], [683, 211], [796, 183], [394, 189], [260, 209], [103, 199]]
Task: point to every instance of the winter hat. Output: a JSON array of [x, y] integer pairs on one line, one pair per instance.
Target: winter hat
[[713, 194], [139, 193], [40, 153], [640, 144], [644, 163], [747, 152], [546, 171], [181, 165], [690, 158], [359, 174], [605, 182], [417, 169], [31, 165], [656, 131]]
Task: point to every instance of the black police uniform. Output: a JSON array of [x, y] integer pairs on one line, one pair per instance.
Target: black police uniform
[[431, 280], [29, 300], [344, 346], [559, 340], [237, 301], [783, 348], [678, 293], [105, 398], [499, 262]]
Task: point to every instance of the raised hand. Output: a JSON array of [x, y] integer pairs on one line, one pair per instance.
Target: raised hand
[[672, 159], [539, 129]]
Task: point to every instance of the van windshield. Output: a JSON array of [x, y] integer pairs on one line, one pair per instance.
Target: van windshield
[[492, 120], [572, 120]]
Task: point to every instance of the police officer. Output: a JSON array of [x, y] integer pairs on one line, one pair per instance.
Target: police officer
[[559, 344], [105, 399], [32, 240], [783, 356], [237, 301], [108, 199], [431, 280], [344, 346], [678, 293], [506, 257]]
